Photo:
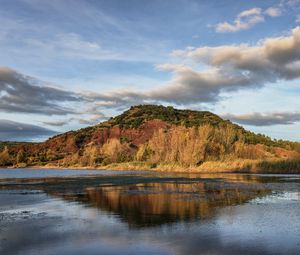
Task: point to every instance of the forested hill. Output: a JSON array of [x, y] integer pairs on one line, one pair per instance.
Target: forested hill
[[152, 136]]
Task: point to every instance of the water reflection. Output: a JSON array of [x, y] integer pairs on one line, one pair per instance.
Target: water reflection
[[151, 200], [144, 200], [167, 214], [151, 204]]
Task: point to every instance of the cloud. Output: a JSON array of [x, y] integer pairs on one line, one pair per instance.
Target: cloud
[[265, 119], [192, 86], [249, 18], [291, 3], [244, 20], [273, 12], [93, 120], [185, 88], [236, 66], [39, 40], [24, 94], [278, 55], [57, 123], [72, 46], [221, 69], [15, 131], [214, 70]]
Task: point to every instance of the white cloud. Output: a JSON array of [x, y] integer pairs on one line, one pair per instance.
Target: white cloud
[[249, 18], [244, 20], [265, 119], [227, 68], [290, 3], [272, 59], [250, 12], [214, 70], [71, 45], [273, 12], [57, 123], [93, 120]]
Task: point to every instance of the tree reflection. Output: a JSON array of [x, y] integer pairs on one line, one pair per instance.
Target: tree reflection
[[154, 199], [151, 204]]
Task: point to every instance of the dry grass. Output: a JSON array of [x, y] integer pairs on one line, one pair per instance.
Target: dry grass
[[227, 166], [206, 167], [291, 166]]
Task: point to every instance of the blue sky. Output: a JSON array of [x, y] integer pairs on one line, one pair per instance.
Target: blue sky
[[68, 64]]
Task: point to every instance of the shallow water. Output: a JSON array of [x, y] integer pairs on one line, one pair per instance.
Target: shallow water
[[90, 212], [41, 173]]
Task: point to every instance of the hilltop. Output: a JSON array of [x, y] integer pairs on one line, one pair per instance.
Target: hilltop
[[163, 138]]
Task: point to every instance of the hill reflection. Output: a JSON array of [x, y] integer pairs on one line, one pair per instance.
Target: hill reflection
[[151, 204], [152, 199]]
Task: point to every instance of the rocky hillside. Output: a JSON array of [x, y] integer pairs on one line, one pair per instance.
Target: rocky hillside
[[151, 136]]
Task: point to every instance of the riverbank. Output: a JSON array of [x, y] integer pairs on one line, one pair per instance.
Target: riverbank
[[235, 166]]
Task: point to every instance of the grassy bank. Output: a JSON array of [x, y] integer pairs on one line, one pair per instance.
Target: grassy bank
[[236, 166], [228, 166], [291, 166]]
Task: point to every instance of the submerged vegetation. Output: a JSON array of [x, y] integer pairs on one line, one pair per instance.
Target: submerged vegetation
[[157, 137]]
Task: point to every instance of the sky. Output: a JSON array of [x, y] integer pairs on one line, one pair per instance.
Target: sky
[[68, 64]]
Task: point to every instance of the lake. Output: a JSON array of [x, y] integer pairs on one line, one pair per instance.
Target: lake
[[48, 211]]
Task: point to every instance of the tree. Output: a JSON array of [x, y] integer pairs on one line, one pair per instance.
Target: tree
[[142, 153], [114, 151], [90, 156], [5, 159], [21, 157]]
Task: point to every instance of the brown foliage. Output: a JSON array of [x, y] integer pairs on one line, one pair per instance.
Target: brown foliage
[[180, 144], [5, 159]]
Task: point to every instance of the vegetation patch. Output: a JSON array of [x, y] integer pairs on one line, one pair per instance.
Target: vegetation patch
[[184, 140]]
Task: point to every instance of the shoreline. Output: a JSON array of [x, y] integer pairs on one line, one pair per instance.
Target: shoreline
[[207, 168]]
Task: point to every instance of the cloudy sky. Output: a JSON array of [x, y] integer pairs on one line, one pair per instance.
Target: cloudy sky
[[73, 63]]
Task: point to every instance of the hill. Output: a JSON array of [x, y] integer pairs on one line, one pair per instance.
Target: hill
[[163, 138], [12, 144]]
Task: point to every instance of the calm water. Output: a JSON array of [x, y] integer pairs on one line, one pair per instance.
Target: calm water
[[111, 212], [42, 173]]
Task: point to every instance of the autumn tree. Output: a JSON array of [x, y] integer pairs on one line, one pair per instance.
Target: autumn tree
[[188, 146], [21, 157], [5, 159], [115, 151], [142, 153], [90, 155]]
